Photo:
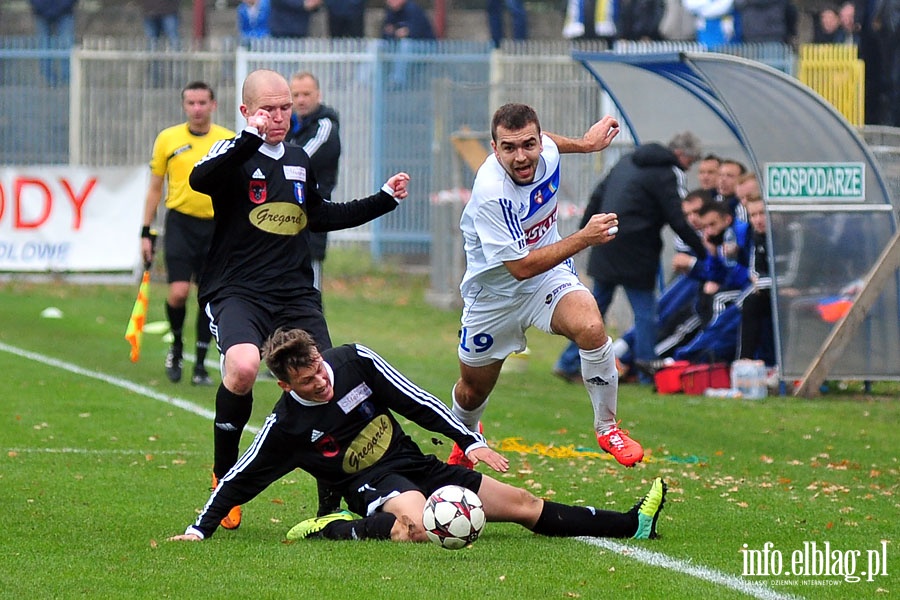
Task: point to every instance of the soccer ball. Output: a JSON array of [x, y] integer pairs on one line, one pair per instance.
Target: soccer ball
[[453, 517]]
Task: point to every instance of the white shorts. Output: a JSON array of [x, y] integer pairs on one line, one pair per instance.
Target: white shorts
[[493, 327]]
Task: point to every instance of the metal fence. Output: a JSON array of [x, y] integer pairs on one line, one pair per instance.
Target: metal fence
[[399, 106]]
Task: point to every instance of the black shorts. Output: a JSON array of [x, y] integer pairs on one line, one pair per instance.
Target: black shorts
[[424, 473], [186, 244], [236, 320]]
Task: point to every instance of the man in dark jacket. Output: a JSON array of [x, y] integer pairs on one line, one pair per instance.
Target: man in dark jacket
[[290, 18], [315, 128], [887, 16], [644, 189]]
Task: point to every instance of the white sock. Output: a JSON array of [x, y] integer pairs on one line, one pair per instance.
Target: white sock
[[598, 368], [470, 418]]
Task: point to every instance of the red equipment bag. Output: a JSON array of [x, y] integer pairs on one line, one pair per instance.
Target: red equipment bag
[[696, 379], [668, 379]]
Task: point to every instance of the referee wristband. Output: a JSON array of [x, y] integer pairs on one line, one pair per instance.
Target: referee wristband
[[145, 232]]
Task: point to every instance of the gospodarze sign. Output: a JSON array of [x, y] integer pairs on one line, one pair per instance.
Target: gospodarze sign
[[816, 181]]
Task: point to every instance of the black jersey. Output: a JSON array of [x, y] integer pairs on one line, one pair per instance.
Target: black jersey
[[265, 203], [345, 442]]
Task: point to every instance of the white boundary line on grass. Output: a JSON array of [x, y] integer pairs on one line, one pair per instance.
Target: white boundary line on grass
[[657, 559], [143, 390], [648, 557], [94, 451]]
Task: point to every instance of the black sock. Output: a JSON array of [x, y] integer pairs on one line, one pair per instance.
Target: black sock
[[201, 355], [570, 521], [329, 499], [204, 335], [232, 414], [376, 527], [176, 323]]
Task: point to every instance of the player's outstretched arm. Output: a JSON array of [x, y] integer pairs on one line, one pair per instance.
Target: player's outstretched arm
[[186, 537], [398, 183], [595, 139], [493, 459], [600, 229]]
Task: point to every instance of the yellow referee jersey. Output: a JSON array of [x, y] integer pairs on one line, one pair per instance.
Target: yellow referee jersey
[[175, 152]]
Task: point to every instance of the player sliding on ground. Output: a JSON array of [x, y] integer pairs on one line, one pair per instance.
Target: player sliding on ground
[[334, 421]]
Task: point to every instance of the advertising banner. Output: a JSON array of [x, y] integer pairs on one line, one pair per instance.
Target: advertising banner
[[70, 219]]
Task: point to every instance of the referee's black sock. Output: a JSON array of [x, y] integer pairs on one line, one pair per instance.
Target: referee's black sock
[[570, 521], [176, 323], [232, 414], [376, 527]]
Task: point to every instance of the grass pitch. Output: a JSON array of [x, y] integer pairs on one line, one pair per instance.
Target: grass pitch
[[101, 462]]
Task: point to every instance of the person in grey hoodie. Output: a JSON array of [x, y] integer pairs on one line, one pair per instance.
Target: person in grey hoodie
[[644, 189]]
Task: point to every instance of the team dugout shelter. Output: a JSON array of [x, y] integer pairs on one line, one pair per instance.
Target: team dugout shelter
[[833, 243]]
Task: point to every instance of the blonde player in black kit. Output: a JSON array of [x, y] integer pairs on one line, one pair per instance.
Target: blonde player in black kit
[[335, 420], [258, 274]]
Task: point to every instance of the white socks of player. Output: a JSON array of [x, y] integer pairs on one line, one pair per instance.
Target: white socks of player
[[469, 418], [598, 368]]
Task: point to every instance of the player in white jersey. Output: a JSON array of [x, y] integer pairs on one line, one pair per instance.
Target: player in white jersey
[[519, 272]]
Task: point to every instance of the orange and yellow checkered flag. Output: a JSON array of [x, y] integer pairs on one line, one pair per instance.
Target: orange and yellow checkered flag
[[135, 330]]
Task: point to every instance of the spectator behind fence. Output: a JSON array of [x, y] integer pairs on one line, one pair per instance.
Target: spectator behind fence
[[54, 23], [827, 27], [253, 19], [715, 21], [644, 189], [346, 18], [161, 19], [868, 27], [847, 15], [767, 21], [888, 15], [517, 14], [404, 22], [290, 18], [639, 20], [590, 19]]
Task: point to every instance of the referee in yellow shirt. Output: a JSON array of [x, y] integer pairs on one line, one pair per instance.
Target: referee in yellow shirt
[[189, 218]]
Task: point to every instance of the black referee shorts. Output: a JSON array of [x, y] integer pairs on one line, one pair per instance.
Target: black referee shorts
[[186, 242], [237, 320]]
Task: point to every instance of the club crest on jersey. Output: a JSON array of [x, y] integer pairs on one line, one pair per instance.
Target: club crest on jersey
[[327, 446], [543, 193], [257, 192], [299, 192]]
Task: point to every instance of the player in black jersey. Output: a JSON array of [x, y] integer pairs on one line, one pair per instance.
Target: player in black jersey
[[334, 420], [258, 274]]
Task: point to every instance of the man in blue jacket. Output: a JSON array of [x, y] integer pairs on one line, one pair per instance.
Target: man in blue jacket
[[644, 189]]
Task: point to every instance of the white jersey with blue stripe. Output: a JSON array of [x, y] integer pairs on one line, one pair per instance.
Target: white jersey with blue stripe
[[504, 221]]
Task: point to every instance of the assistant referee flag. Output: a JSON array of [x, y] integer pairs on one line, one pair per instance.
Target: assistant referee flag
[[135, 330]]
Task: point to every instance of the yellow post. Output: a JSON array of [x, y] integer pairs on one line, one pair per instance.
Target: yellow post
[[835, 72]]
